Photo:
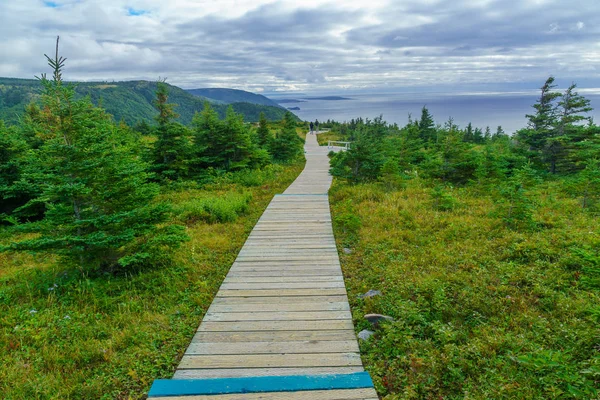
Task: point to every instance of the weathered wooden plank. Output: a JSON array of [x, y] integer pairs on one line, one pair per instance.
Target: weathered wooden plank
[[291, 270], [285, 250], [241, 372], [285, 264], [308, 273], [269, 244], [279, 307], [273, 279], [207, 348], [276, 316], [280, 292], [257, 272], [286, 259], [237, 326], [283, 300], [280, 285], [275, 336], [271, 360]]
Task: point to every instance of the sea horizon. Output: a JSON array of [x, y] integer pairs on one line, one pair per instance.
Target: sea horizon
[[482, 109]]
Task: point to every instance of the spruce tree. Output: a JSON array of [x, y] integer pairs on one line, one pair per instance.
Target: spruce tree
[[225, 145], [427, 126], [263, 131], [99, 209], [12, 194], [544, 118], [287, 145], [171, 149], [363, 161]]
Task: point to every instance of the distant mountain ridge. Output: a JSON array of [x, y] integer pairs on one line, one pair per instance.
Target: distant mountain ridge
[[129, 101], [229, 96]]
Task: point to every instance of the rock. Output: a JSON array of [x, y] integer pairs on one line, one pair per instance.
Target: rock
[[375, 318], [365, 334], [370, 293], [347, 250]]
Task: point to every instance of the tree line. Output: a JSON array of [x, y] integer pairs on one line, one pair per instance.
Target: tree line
[[559, 142]]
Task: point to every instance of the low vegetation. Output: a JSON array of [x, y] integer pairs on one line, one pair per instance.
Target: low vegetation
[[485, 249]]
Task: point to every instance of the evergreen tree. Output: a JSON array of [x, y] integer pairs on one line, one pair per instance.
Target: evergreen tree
[[263, 131], [287, 145], [427, 126], [499, 133], [487, 135], [224, 145], [544, 118], [364, 160], [172, 147], [541, 127], [468, 135], [570, 108], [12, 193], [99, 209]]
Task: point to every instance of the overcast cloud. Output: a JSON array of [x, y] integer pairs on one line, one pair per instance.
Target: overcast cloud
[[308, 45]]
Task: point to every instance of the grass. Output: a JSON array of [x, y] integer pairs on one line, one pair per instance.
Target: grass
[[324, 138], [68, 334], [481, 311]]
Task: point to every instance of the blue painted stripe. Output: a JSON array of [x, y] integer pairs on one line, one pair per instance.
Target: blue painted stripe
[[259, 384]]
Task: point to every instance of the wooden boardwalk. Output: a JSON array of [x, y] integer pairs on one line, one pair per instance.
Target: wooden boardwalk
[[282, 310]]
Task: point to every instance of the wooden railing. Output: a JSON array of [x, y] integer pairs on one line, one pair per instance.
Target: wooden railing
[[338, 144]]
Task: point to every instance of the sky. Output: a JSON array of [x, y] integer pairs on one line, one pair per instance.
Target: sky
[[309, 46]]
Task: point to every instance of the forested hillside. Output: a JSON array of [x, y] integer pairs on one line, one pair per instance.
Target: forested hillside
[[229, 96], [130, 101], [484, 248]]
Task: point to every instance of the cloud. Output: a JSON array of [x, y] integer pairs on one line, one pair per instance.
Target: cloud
[[311, 45]]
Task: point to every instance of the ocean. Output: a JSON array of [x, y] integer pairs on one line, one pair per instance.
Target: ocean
[[481, 109]]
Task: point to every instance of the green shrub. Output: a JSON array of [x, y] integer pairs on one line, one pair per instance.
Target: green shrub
[[221, 209], [442, 201]]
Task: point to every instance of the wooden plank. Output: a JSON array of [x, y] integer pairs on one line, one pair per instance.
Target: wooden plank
[[339, 394], [280, 292], [274, 336], [273, 279], [276, 316], [258, 272], [237, 326], [293, 270], [270, 245], [206, 348], [287, 264], [240, 372], [283, 249], [283, 259], [283, 300], [280, 285], [278, 307], [271, 360]]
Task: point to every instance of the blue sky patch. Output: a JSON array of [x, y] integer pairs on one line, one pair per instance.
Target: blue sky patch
[[134, 12], [50, 4]]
